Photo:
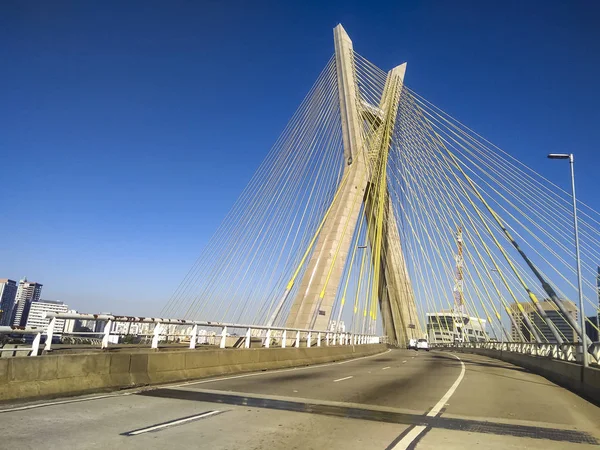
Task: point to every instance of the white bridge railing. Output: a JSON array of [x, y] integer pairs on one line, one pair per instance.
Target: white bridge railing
[[177, 330], [565, 352]]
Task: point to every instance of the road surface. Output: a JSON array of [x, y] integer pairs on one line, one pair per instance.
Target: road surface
[[398, 399]]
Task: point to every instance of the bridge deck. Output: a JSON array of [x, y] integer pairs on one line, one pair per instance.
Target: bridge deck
[[374, 402]]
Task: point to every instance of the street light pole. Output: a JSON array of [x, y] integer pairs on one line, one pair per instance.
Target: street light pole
[[583, 336]]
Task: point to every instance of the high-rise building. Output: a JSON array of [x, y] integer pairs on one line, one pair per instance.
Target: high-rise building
[[38, 310], [8, 292], [540, 324], [591, 328], [27, 292]]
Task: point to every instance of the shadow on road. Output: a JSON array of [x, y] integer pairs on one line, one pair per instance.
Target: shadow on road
[[314, 407]]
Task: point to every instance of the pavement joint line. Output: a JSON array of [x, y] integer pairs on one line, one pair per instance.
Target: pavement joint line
[[172, 423], [377, 414], [342, 379]]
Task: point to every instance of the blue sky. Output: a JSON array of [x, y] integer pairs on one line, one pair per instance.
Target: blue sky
[[129, 128]]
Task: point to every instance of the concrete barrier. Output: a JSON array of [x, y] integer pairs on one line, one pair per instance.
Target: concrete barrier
[[72, 374], [572, 376]]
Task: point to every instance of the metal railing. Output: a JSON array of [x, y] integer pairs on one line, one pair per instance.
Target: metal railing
[[168, 330], [35, 345], [570, 351]]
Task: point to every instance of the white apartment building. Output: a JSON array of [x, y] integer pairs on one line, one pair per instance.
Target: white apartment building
[[38, 310]]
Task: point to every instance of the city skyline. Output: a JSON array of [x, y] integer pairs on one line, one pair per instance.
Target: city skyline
[[136, 154]]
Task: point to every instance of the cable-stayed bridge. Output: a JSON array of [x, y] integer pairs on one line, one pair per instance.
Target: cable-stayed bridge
[[375, 219], [353, 218]]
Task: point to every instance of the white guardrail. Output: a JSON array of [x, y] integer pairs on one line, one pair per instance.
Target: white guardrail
[[166, 329], [570, 351]]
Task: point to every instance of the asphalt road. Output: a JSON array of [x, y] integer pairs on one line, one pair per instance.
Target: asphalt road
[[398, 399]]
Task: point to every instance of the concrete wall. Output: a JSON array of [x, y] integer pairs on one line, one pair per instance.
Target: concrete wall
[[61, 375], [585, 382]]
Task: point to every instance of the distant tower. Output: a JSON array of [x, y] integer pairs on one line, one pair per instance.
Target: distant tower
[[27, 292], [459, 301]]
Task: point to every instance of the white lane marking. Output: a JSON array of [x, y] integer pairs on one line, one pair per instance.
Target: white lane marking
[[254, 374], [409, 438], [342, 379], [62, 402], [388, 367], [416, 431], [438, 407], [175, 422], [403, 362]]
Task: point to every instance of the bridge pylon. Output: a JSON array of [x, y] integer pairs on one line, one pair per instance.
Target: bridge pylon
[[364, 183]]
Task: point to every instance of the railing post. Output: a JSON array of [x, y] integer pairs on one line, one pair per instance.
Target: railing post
[[297, 343], [268, 339], [106, 335], [157, 330], [50, 334], [223, 338], [247, 340], [35, 346], [308, 339], [319, 339], [194, 337], [327, 339], [334, 338], [284, 339]]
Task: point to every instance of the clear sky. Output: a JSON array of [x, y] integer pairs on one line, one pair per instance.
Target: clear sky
[[129, 128]]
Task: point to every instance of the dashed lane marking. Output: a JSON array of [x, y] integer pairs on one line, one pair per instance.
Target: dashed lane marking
[[342, 379]]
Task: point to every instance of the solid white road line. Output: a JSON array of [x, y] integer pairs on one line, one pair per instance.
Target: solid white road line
[[438, 407], [62, 402], [175, 422], [410, 437], [416, 431], [188, 383], [342, 379], [388, 367]]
